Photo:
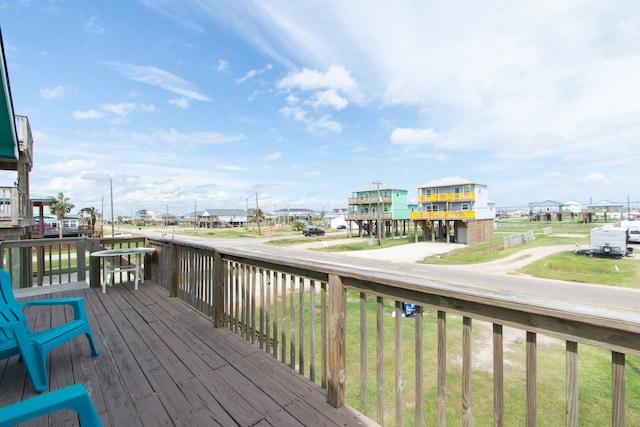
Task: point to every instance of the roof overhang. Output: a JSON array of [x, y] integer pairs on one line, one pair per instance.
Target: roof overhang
[[8, 136]]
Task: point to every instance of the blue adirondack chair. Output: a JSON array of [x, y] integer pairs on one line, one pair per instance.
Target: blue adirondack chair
[[17, 338], [74, 397]]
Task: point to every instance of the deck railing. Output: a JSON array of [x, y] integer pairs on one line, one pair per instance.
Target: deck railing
[[455, 362], [417, 370], [52, 261]]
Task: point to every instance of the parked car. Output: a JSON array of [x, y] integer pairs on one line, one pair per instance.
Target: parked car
[[341, 227], [313, 231]]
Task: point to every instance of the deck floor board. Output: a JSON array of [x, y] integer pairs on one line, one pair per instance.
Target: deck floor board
[[163, 363]]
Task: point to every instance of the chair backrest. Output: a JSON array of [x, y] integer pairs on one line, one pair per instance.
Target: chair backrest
[[10, 310], [7, 298]]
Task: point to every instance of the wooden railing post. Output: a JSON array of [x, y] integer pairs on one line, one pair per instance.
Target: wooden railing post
[[94, 264], [81, 260], [218, 290], [174, 268], [337, 341]]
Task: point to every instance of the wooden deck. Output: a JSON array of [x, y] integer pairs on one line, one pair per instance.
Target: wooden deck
[[162, 363]]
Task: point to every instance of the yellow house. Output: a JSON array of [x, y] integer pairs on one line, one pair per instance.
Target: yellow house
[[455, 209]]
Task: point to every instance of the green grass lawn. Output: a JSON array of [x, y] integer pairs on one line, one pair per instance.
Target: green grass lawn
[[594, 372], [623, 272]]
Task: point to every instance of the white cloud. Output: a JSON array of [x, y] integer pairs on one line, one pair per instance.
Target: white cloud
[[311, 174], [223, 66], [53, 92], [298, 114], [336, 78], [160, 78], [327, 98], [182, 103], [596, 178], [119, 112], [173, 136], [272, 156], [92, 26], [88, 114], [126, 108], [324, 124], [252, 73], [410, 136]]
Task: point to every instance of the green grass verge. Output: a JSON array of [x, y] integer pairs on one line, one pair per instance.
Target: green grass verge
[[491, 251], [623, 272]]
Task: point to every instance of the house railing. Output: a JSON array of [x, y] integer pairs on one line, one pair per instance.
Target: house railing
[[368, 216], [373, 200], [446, 197], [455, 361], [444, 215], [14, 207]]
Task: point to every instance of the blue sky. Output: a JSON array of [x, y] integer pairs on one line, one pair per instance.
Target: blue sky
[[208, 103]]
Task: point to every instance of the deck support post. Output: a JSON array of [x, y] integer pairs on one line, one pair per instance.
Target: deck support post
[[218, 290], [174, 272], [337, 341]]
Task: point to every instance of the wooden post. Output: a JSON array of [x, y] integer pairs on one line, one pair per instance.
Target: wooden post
[[218, 290], [81, 260], [337, 341], [94, 264], [174, 274]]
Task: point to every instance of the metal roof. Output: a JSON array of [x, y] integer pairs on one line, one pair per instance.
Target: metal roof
[[8, 136]]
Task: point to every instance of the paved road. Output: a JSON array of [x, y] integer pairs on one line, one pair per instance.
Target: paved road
[[400, 260]]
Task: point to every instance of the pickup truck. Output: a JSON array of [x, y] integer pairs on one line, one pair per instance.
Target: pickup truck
[[313, 231]]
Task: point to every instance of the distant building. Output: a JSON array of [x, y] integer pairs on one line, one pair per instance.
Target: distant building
[[572, 207], [605, 210], [548, 210], [289, 215], [455, 208], [217, 218], [379, 202]]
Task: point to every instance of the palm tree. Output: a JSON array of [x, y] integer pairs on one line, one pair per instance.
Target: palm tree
[[60, 206], [92, 214], [257, 216]]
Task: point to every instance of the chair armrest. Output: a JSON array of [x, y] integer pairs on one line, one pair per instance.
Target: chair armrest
[[74, 397], [73, 301], [77, 303]]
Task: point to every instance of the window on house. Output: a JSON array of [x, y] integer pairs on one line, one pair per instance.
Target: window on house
[[465, 206]]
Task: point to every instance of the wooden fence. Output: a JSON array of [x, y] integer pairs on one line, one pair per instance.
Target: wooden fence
[[297, 312]]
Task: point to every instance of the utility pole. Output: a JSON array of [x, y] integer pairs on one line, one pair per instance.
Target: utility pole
[[379, 229], [258, 215], [112, 218]]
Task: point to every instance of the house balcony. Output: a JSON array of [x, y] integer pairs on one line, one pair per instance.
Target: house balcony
[[370, 200], [443, 215], [225, 336], [14, 210], [369, 216], [447, 197]]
